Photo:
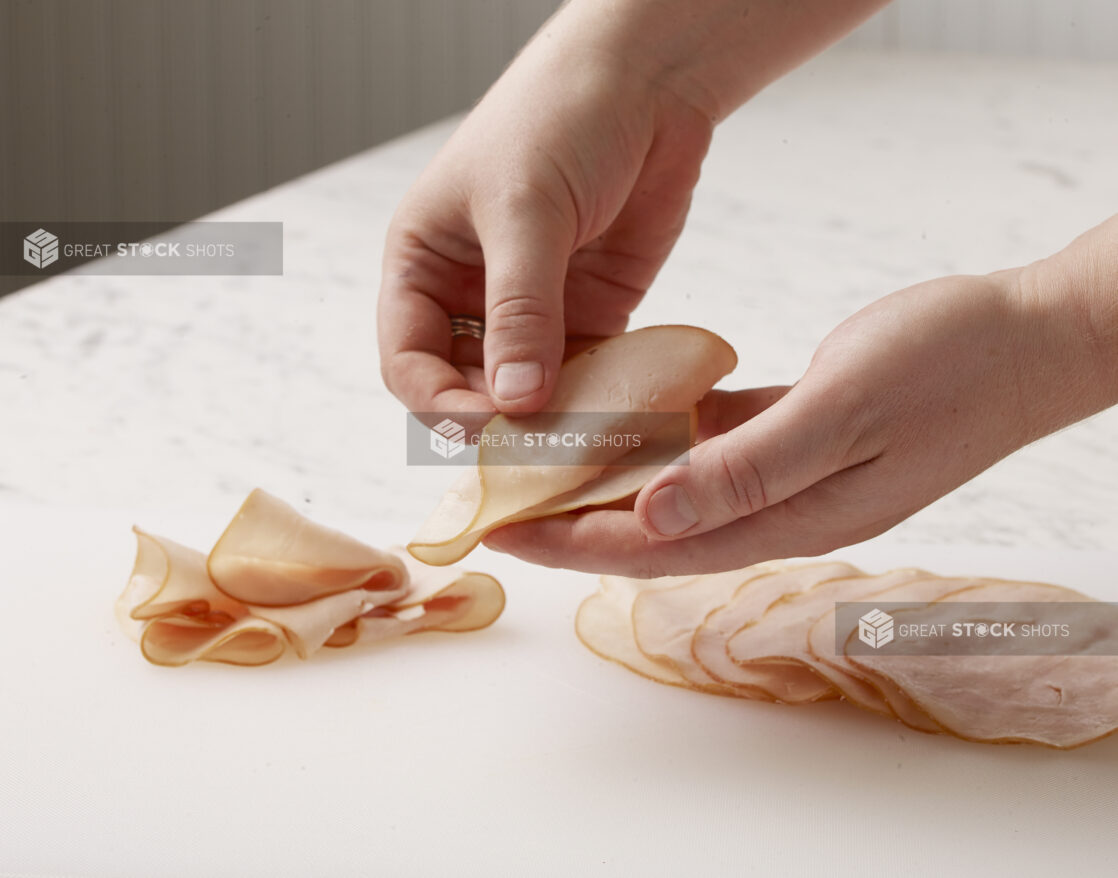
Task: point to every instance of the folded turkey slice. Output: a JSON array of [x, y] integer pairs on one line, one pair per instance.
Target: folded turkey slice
[[169, 579], [308, 626], [1059, 701], [174, 641], [779, 680], [659, 369], [456, 601], [178, 614], [173, 609], [440, 599], [272, 556]]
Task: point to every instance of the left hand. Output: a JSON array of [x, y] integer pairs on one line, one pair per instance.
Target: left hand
[[903, 402]]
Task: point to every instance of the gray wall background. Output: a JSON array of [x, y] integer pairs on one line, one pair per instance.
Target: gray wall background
[[164, 110]]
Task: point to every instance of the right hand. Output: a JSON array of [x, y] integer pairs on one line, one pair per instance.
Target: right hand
[[548, 213]]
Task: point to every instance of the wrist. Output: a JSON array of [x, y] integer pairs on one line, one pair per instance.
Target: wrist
[[1082, 281], [1068, 308]]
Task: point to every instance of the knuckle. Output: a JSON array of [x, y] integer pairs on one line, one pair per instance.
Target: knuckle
[[550, 197], [524, 197], [546, 200], [741, 484], [517, 312]]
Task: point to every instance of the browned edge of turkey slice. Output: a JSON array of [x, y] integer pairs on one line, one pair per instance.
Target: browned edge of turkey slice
[[710, 649]]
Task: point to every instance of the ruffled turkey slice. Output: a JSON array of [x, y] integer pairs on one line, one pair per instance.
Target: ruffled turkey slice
[[664, 621], [442, 599], [660, 369], [173, 641], [604, 625], [1060, 701], [780, 634], [435, 589], [174, 609], [271, 556], [309, 625], [776, 680], [169, 578], [866, 690]]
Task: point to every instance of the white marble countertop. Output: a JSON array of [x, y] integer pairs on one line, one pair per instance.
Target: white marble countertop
[[855, 176]]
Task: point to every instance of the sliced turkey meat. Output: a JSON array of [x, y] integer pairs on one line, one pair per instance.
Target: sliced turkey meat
[[770, 634], [604, 625], [285, 579], [779, 680], [884, 696], [779, 635], [625, 380], [664, 621], [999, 696], [270, 555]]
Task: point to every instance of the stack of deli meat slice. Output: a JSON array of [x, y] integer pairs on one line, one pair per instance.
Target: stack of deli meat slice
[[276, 579], [771, 633]]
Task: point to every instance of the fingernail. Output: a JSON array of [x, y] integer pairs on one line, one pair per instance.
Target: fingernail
[[517, 380], [670, 511]]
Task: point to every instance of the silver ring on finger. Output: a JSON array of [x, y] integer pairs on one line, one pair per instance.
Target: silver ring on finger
[[464, 324]]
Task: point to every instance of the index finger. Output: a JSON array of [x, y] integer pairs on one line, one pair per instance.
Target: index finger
[[415, 342]]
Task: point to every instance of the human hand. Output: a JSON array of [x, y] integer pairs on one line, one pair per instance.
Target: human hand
[[548, 213], [553, 206], [902, 403]]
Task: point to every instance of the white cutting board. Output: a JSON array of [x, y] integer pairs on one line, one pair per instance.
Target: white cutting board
[[512, 751]]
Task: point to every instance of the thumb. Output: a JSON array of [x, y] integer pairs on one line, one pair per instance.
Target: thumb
[[526, 250], [785, 449]]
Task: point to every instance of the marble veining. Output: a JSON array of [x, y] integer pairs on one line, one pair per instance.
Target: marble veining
[[855, 176]]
